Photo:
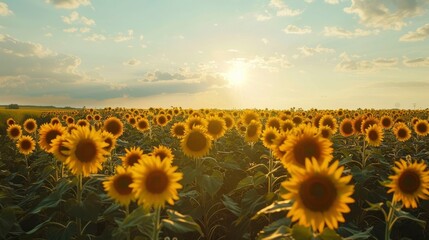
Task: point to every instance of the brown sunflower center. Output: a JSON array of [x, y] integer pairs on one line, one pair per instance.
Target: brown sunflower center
[[55, 121], [196, 142], [133, 159], [51, 135], [307, 147], [122, 184], [15, 132], [326, 133], [252, 130], [422, 127], [270, 138], [373, 135], [30, 126], [179, 130], [275, 124], [109, 142], [132, 121], [161, 154], [347, 128], [26, 144], [114, 127], [386, 122], [70, 120], [318, 193], [214, 127], [409, 181], [162, 120], [142, 124], [402, 133], [328, 122], [156, 182], [86, 150]]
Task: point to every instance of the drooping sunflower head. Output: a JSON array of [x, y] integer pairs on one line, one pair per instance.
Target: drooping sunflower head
[[58, 148], [279, 141], [110, 140], [26, 144], [155, 182], [85, 151], [386, 122], [132, 156], [30, 125], [421, 127], [229, 121], [374, 135], [216, 127], [178, 130], [118, 186], [269, 137], [319, 193], [357, 124], [409, 183], [248, 116], [274, 122], [196, 142], [142, 125], [402, 132], [114, 125], [163, 153], [316, 120], [10, 121], [330, 121], [346, 127], [304, 144], [49, 132], [14, 131], [253, 131], [194, 121]]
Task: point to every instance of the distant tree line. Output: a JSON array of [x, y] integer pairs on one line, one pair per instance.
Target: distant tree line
[[12, 106]]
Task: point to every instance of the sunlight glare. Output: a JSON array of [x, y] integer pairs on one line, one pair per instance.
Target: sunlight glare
[[237, 73]]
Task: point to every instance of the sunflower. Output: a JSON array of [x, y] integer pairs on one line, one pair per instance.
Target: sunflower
[[14, 131], [325, 132], [110, 140], [421, 127], [26, 144], [178, 130], [316, 120], [55, 120], [368, 122], [82, 123], [155, 182], [58, 149], [70, 120], [49, 132], [86, 153], [71, 127], [114, 126], [132, 121], [330, 121], [30, 125], [357, 124], [253, 131], [142, 125], [269, 136], [402, 132], [306, 143], [191, 122], [118, 186], [287, 125], [346, 127], [132, 156], [248, 116], [374, 135], [216, 127], [386, 122], [161, 120], [319, 194], [410, 182], [163, 153], [196, 142], [274, 122], [229, 121], [297, 120], [277, 152], [10, 121]]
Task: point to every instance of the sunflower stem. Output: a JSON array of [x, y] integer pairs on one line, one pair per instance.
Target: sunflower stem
[[79, 201], [388, 223], [127, 212], [363, 153], [156, 225]]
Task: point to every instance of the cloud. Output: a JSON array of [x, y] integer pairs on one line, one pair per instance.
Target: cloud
[[308, 51], [283, 9], [70, 30], [292, 29], [400, 85], [132, 62], [273, 63], [69, 4], [352, 64], [263, 17], [343, 33], [48, 34], [419, 35], [416, 62], [96, 37], [74, 17], [4, 9], [386, 14], [264, 41], [124, 37], [332, 1]]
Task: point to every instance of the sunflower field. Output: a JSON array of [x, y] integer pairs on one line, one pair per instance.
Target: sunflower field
[[173, 173]]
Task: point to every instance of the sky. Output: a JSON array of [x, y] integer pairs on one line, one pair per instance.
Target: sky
[[274, 54]]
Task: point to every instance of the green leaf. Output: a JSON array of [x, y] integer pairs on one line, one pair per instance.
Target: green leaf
[[36, 228], [63, 234], [277, 229], [231, 205], [374, 206], [7, 220], [211, 184], [89, 209], [136, 217], [329, 234], [301, 232], [356, 235], [53, 199], [277, 206], [180, 223], [245, 182]]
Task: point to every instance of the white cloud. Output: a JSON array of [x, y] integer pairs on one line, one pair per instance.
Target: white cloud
[[353, 64], [74, 17], [263, 17], [48, 35], [84, 30], [343, 33], [87, 21], [264, 41], [4, 9], [283, 9], [386, 14], [69, 4], [70, 30], [292, 29], [124, 37], [96, 37], [419, 35], [271, 63], [132, 62], [332, 1], [416, 62], [309, 51]]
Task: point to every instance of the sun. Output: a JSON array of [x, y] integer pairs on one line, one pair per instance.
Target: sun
[[237, 73]]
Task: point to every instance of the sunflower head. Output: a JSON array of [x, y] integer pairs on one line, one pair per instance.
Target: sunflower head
[[253, 131], [274, 122], [82, 123], [178, 130], [142, 125], [155, 182], [30, 125], [26, 144], [118, 186], [330, 121], [279, 141], [346, 127], [287, 125], [58, 148], [70, 120], [368, 122], [249, 116], [401, 132], [109, 139], [161, 120], [196, 142], [132, 121], [374, 135], [163, 153], [194, 121], [55, 120], [216, 127], [10, 121], [269, 137], [409, 183], [48, 133], [114, 125], [421, 127], [229, 121], [319, 194], [132, 156], [386, 122], [326, 132], [14, 131]]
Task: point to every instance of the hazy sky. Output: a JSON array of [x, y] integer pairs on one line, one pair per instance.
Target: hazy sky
[[219, 53]]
